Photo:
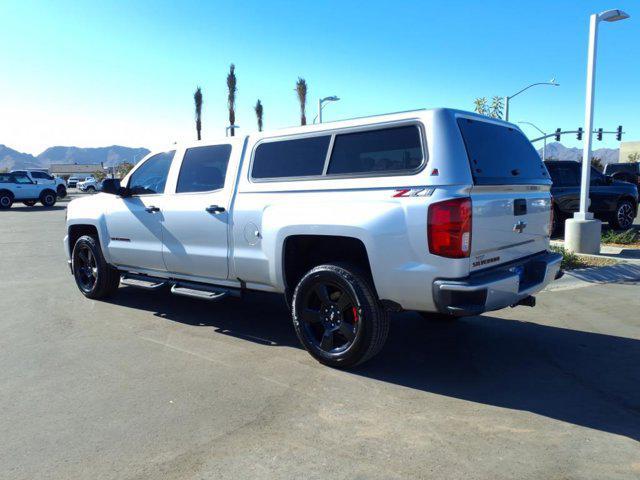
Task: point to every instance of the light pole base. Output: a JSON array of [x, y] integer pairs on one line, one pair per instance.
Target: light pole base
[[582, 236]]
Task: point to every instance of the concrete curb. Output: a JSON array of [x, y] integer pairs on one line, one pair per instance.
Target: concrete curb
[[585, 277]]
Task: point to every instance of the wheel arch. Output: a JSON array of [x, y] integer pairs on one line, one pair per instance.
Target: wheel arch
[[6, 190]]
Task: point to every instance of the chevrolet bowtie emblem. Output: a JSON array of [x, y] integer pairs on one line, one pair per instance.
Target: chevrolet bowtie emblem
[[520, 226]]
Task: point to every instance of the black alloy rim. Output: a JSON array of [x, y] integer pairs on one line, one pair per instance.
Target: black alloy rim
[[330, 317], [86, 268], [625, 215]]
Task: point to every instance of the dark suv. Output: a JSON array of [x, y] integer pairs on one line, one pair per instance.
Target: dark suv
[[612, 200]]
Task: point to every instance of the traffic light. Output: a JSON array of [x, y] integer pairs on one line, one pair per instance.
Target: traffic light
[[579, 134], [558, 130], [599, 137], [619, 133]]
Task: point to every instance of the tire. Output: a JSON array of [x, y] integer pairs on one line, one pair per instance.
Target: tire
[[337, 316], [624, 215], [91, 189], [61, 191], [6, 200], [29, 203], [48, 198], [94, 277]]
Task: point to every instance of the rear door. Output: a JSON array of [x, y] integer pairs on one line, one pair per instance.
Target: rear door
[[195, 216], [510, 197]]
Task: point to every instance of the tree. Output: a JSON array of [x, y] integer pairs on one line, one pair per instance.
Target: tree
[[496, 107], [231, 100], [197, 98], [301, 89], [123, 169], [99, 175], [634, 157], [258, 109], [480, 105], [4, 170]]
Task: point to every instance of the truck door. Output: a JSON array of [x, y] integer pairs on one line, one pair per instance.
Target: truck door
[[195, 216], [25, 188], [134, 222]]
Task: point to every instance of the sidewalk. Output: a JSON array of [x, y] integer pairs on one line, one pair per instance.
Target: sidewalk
[[583, 277], [620, 254]]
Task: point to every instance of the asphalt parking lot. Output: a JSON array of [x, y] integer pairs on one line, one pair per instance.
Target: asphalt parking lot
[[150, 385]]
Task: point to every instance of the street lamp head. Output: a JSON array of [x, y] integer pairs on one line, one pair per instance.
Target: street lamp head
[[553, 82], [612, 15], [332, 98]]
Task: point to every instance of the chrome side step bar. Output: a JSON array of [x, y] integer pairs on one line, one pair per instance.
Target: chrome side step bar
[[142, 281], [202, 291]]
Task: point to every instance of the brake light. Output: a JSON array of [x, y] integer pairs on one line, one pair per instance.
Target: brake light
[[449, 228]]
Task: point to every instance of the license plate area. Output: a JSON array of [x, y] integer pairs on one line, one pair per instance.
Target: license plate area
[[530, 274]]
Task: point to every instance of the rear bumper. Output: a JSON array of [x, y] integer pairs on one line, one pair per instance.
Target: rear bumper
[[498, 287]]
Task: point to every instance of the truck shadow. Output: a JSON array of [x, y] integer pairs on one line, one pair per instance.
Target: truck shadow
[[587, 379]]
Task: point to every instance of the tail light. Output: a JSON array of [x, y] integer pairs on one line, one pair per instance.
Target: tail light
[[449, 228]]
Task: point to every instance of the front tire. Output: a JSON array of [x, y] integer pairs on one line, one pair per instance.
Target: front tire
[[624, 215], [91, 189], [48, 198], [6, 200], [94, 277], [337, 316]]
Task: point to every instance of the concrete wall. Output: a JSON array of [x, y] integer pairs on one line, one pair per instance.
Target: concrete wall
[[627, 148]]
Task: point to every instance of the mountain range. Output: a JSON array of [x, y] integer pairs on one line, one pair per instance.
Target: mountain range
[[12, 159], [557, 151]]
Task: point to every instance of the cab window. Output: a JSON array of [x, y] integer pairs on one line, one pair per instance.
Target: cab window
[[203, 169], [151, 176], [22, 179]]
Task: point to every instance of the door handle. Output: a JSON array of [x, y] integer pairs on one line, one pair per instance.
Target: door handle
[[215, 209], [152, 209]]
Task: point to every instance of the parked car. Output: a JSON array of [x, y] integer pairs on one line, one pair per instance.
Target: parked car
[[72, 182], [89, 185], [43, 177], [626, 172], [16, 186], [439, 211], [612, 201]]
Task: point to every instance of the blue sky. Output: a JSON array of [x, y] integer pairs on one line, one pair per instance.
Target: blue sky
[[102, 73]]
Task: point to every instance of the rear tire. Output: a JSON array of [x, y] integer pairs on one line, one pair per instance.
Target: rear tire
[[48, 198], [94, 277], [30, 203], [6, 200], [624, 215], [337, 316]]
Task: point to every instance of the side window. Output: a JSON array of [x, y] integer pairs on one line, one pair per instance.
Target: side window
[[569, 177], [387, 150], [20, 178], [41, 175], [151, 176], [290, 158], [203, 169], [5, 178]]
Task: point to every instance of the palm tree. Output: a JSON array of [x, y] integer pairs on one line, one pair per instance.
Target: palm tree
[[480, 105], [496, 107], [258, 109], [231, 85], [197, 98], [301, 89]]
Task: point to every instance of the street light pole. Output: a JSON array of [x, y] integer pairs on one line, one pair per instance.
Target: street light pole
[[544, 145], [582, 232], [551, 82], [321, 102]]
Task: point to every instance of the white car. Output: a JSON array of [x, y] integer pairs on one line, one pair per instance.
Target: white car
[[89, 184], [443, 212], [19, 187], [43, 177]]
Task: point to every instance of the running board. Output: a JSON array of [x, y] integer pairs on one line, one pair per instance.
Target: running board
[[140, 281], [203, 294]]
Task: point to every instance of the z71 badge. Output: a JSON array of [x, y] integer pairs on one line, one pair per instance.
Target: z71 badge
[[414, 192]]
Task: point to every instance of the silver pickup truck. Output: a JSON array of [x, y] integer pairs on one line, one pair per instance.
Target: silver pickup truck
[[443, 212]]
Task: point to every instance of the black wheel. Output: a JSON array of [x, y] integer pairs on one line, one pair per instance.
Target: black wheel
[[29, 203], [91, 189], [94, 276], [438, 317], [337, 316], [624, 215], [61, 191], [48, 198], [6, 200]]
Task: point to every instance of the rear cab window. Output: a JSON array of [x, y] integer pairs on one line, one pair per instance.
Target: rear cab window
[[501, 155], [203, 169]]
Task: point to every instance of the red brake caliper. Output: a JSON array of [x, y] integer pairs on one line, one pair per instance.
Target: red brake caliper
[[355, 314]]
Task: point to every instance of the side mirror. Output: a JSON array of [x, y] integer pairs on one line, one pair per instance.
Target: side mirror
[[112, 186], [608, 179]]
